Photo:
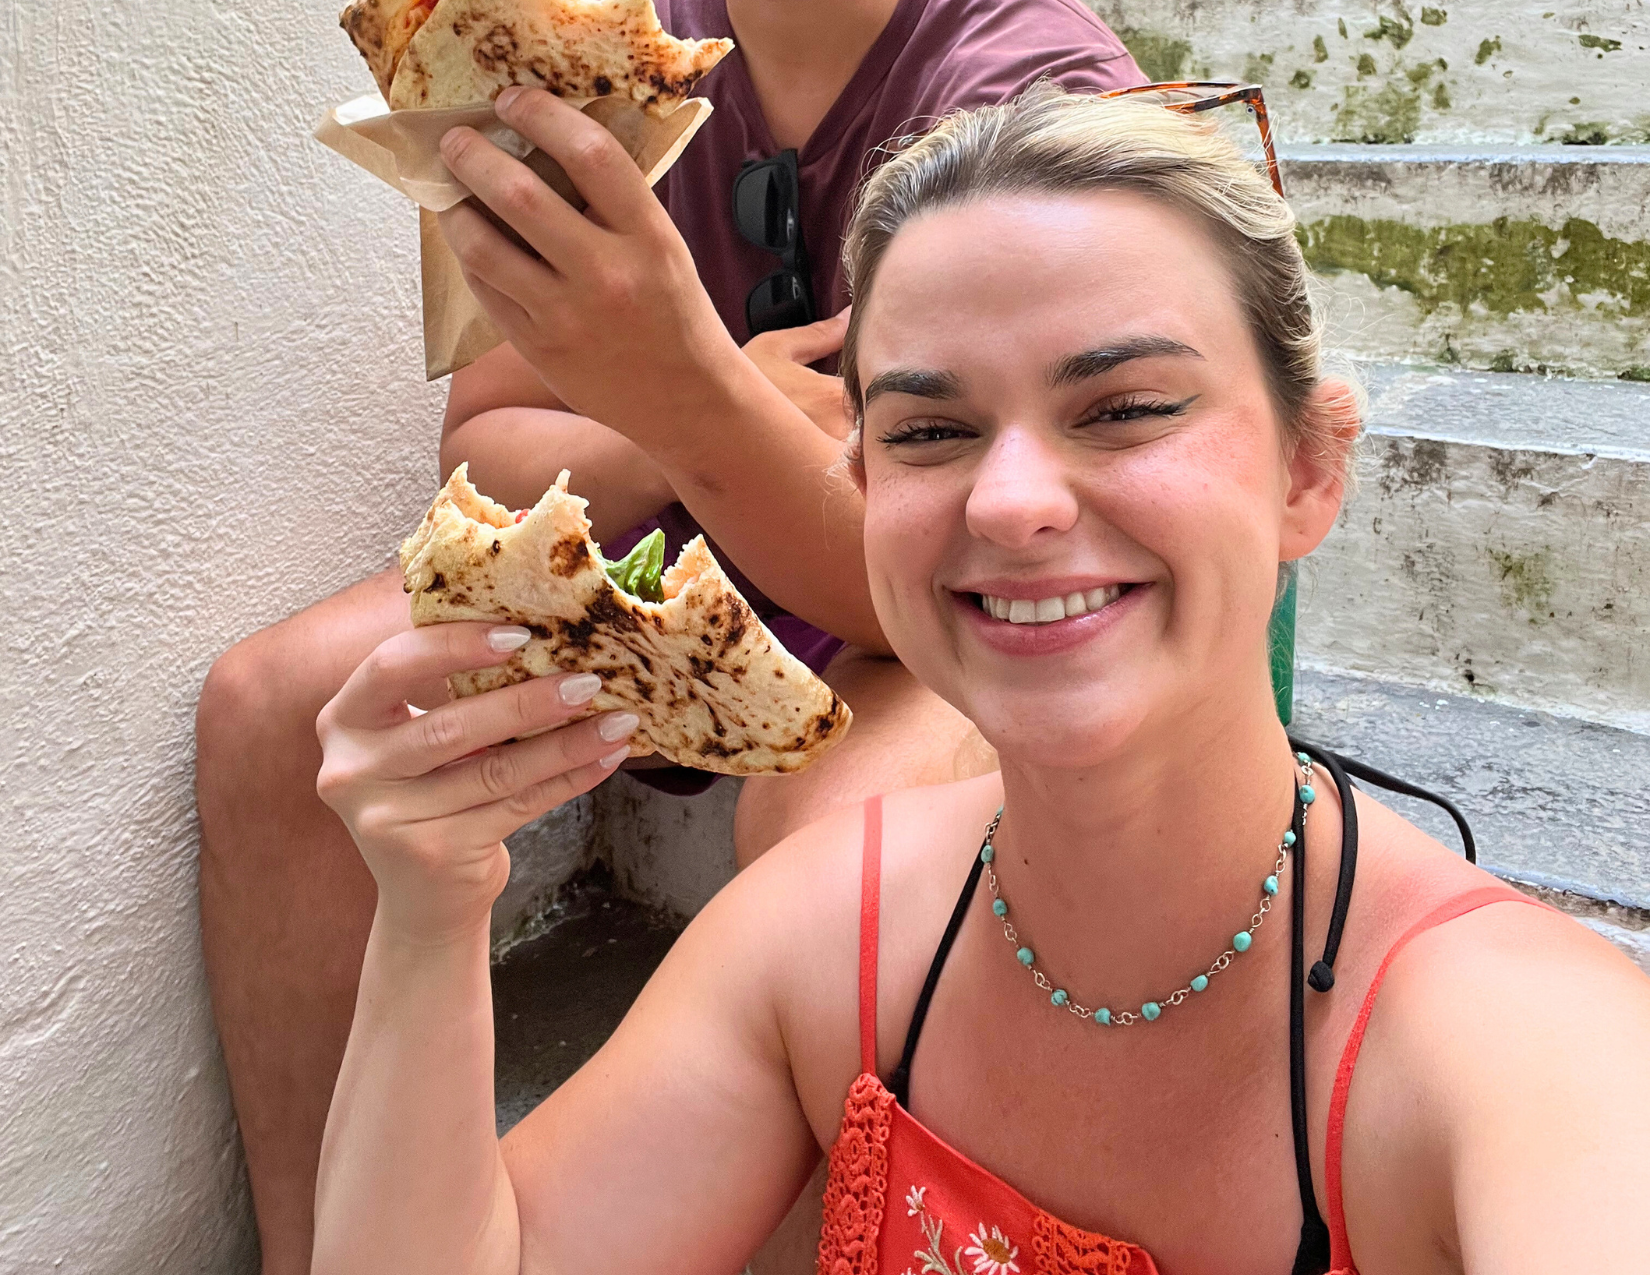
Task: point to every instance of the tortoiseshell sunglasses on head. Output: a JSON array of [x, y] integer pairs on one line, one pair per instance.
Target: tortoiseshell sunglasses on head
[[1191, 96]]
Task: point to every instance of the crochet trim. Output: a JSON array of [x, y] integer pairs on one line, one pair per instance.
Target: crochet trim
[[1065, 1250], [857, 1189]]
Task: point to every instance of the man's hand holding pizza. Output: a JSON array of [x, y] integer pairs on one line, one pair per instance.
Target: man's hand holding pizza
[[611, 314]]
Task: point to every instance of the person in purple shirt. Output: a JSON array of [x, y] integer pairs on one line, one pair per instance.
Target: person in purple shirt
[[705, 424]]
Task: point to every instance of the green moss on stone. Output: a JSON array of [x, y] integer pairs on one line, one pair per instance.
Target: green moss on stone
[[1320, 50], [1434, 17], [1340, 25], [1301, 79], [1586, 135], [1160, 57], [1366, 65], [1257, 67], [1399, 31], [1500, 268], [1388, 116], [1487, 50], [1440, 98], [1526, 582], [1602, 43], [1636, 373]]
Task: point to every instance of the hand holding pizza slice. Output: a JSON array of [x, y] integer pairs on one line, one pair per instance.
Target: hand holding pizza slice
[[680, 648]]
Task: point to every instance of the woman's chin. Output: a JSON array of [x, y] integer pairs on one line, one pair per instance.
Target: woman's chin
[[1072, 729]]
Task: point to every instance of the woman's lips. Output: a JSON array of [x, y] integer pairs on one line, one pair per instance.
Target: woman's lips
[[1051, 637]]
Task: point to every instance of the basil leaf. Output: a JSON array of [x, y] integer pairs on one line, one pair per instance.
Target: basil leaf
[[639, 571]]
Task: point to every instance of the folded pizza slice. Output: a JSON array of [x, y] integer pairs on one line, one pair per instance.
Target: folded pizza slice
[[381, 30], [713, 687], [469, 51]]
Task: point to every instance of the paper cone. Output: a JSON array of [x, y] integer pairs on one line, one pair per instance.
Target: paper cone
[[403, 149]]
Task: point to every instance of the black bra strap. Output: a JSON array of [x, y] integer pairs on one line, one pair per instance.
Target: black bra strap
[[900, 1083], [1312, 1253]]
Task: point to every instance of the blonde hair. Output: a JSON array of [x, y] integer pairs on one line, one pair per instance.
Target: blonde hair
[[1051, 142]]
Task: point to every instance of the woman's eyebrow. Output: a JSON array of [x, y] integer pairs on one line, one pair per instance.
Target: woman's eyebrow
[[1080, 367], [916, 382]]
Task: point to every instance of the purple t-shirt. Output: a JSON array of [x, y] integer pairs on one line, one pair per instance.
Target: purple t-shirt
[[933, 57]]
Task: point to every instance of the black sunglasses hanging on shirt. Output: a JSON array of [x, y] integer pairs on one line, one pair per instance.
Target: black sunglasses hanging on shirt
[[767, 209]]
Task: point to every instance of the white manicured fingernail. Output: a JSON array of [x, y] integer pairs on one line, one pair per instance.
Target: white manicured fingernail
[[508, 637], [581, 688], [503, 100], [616, 726], [614, 758]]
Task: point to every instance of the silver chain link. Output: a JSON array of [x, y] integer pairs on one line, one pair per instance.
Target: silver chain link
[[1128, 1017]]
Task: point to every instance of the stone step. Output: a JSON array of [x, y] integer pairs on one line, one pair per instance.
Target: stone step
[[1385, 71], [1505, 258], [1559, 805], [1497, 544]]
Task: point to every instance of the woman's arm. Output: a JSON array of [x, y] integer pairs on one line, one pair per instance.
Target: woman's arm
[[612, 315], [677, 1148], [1520, 1142]]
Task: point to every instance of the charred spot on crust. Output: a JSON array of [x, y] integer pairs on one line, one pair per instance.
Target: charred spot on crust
[[437, 583], [605, 610], [496, 546], [702, 669], [539, 631], [568, 557], [604, 86], [716, 748]]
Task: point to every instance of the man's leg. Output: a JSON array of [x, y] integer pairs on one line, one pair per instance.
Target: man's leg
[[286, 901], [903, 736]]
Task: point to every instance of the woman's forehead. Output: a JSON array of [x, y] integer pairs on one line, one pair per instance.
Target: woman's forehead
[[1078, 269]]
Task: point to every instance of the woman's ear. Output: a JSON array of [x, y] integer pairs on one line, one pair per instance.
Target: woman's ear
[[1331, 421]]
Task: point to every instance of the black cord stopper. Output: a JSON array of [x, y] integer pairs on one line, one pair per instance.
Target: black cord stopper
[[1322, 978]]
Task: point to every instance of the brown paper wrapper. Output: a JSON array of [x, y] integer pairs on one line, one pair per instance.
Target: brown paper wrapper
[[403, 149]]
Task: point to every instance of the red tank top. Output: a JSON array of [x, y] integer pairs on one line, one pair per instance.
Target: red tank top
[[899, 1199]]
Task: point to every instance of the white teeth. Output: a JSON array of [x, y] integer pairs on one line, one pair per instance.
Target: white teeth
[[1048, 610]]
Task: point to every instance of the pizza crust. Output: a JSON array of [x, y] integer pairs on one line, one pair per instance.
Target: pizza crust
[[469, 51], [714, 689]]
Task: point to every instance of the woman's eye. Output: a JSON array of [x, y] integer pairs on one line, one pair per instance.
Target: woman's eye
[[1134, 409], [923, 431]]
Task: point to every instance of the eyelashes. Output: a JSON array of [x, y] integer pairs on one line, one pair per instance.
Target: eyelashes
[[1136, 407], [922, 432], [1130, 407]]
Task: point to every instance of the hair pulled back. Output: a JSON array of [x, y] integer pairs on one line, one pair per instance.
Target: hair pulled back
[[1050, 142]]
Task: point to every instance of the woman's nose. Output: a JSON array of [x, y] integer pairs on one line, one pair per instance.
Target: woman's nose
[[1020, 489]]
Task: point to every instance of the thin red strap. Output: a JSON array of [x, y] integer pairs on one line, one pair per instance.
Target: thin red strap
[[1340, 1252], [870, 896]]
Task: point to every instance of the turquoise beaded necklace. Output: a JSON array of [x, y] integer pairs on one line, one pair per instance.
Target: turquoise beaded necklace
[[1151, 1010]]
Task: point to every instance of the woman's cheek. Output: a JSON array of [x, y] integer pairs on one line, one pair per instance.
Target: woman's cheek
[[905, 538]]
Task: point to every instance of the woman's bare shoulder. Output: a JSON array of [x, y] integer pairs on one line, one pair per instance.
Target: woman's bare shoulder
[[798, 910], [1506, 1045]]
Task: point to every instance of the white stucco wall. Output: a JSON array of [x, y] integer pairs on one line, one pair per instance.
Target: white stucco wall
[[212, 412]]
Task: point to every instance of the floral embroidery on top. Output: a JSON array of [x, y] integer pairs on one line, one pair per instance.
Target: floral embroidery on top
[[992, 1254], [992, 1251]]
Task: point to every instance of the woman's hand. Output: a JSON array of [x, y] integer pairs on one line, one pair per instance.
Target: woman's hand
[[429, 797]]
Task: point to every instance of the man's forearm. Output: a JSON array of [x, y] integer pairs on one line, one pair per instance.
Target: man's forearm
[[761, 478]]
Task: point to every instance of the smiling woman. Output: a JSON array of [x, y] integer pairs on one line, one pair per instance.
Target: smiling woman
[[1090, 425]]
